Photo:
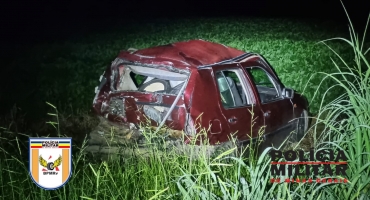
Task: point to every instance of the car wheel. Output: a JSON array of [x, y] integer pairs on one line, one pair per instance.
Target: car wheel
[[301, 126]]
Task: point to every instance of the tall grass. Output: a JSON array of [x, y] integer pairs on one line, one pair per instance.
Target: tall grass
[[347, 118], [225, 176], [159, 175]]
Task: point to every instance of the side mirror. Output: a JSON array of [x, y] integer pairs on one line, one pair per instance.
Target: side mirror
[[288, 93]]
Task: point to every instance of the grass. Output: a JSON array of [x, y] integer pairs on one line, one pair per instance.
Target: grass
[[158, 175], [65, 73], [352, 133], [225, 176]]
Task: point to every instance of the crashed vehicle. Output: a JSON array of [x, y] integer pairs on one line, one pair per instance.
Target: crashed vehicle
[[194, 85]]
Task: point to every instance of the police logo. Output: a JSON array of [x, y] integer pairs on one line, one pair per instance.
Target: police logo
[[50, 162]]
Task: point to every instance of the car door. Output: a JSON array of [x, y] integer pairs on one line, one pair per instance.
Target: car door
[[237, 102], [277, 110]]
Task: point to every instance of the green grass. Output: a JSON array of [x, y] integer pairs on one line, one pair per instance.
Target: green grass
[[351, 134], [289, 46], [158, 175], [66, 73]]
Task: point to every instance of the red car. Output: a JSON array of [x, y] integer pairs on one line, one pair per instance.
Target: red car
[[198, 84]]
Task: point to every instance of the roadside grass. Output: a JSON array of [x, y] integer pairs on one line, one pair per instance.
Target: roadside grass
[[348, 118], [157, 175], [224, 176]]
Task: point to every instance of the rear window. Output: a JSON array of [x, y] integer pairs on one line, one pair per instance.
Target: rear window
[[145, 79]]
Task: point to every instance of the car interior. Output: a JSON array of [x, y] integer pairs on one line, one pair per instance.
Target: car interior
[[265, 84], [128, 80], [231, 90], [160, 86]]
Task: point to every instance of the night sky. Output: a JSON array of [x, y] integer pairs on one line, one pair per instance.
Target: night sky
[[32, 21]]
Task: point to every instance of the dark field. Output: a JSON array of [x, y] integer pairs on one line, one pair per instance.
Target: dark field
[[65, 73]]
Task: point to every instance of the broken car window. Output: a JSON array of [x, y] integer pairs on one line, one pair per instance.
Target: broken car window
[[231, 89], [145, 79]]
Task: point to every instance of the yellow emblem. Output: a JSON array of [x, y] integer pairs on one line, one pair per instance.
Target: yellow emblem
[[50, 165]]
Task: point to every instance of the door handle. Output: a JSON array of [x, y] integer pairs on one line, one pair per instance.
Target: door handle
[[233, 120], [267, 113]]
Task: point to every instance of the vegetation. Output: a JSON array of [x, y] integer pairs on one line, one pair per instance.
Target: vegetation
[[341, 91], [65, 73]]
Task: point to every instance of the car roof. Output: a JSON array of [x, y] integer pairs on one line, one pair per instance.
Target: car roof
[[186, 54]]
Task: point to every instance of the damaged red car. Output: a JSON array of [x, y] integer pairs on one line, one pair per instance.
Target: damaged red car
[[187, 86]]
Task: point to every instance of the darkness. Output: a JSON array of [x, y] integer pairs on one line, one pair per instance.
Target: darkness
[[26, 23], [34, 21]]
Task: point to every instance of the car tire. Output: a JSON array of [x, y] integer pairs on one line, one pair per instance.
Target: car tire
[[301, 126], [50, 166]]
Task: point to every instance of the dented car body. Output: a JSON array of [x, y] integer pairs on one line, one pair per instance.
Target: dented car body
[[187, 86]]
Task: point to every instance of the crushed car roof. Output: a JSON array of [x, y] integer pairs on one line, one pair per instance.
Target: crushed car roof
[[187, 54]]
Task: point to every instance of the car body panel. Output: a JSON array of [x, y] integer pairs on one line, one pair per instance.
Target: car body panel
[[193, 65], [239, 119], [272, 111]]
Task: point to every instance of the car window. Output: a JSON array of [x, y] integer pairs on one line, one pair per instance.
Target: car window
[[266, 86], [146, 80], [232, 91]]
